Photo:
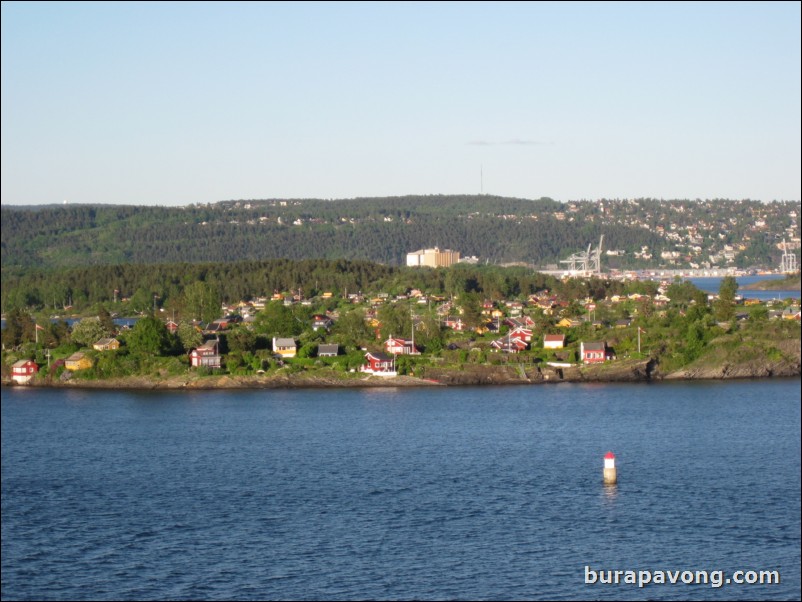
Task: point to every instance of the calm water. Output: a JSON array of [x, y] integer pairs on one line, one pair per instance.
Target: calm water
[[712, 285], [446, 493]]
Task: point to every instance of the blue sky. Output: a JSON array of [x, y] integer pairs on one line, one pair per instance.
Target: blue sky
[[176, 103]]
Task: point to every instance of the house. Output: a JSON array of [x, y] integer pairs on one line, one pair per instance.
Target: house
[[321, 321], [508, 345], [107, 344], [791, 313], [623, 323], [328, 350], [379, 364], [569, 323], [595, 352], [520, 322], [215, 327], [23, 371], [553, 341], [400, 346], [78, 361], [285, 347], [524, 334], [454, 323], [172, 326], [206, 355]]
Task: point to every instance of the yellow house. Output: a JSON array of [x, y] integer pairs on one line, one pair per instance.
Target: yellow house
[[108, 344], [285, 347], [78, 361], [483, 329]]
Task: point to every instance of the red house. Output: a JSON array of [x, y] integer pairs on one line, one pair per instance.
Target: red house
[[23, 371], [400, 346], [455, 323], [205, 355], [595, 352], [524, 334], [509, 345], [379, 364]]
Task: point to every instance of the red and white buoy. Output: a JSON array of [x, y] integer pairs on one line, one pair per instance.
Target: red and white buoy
[[610, 473]]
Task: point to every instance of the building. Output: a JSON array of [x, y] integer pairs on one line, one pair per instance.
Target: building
[[23, 371], [78, 361], [553, 341], [285, 347], [432, 258], [106, 344], [379, 364], [595, 352], [206, 355], [328, 350], [400, 346]]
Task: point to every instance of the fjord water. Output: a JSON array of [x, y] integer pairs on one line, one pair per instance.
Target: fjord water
[[425, 493]]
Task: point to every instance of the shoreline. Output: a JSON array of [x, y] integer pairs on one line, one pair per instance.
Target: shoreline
[[641, 371]]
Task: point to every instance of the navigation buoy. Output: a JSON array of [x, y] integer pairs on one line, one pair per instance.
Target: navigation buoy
[[610, 473]]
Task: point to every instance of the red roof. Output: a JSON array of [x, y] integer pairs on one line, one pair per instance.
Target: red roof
[[609, 456]]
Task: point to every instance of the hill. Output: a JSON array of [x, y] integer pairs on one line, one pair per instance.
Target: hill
[[639, 233]]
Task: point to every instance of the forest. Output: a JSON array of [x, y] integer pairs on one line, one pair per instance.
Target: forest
[[136, 288], [495, 230]]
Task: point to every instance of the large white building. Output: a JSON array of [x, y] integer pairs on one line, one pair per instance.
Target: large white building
[[433, 258]]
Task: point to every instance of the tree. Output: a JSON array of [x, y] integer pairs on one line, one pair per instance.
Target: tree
[[141, 301], [699, 308], [189, 335], [241, 340], [681, 293], [471, 309], [88, 331], [106, 320], [352, 328], [395, 321], [150, 336], [20, 328], [429, 333], [202, 301], [278, 320], [724, 307]]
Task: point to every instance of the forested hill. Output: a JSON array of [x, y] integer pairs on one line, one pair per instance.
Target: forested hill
[[494, 229]]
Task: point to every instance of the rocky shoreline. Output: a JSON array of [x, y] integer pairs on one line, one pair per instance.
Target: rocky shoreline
[[468, 375]]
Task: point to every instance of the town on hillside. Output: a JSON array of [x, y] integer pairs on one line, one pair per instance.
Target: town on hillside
[[638, 233]]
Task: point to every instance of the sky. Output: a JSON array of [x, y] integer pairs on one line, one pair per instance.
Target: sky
[[193, 102]]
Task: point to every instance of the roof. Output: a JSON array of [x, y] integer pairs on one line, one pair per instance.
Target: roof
[[377, 355], [284, 342], [594, 346], [554, 337], [328, 348], [21, 363]]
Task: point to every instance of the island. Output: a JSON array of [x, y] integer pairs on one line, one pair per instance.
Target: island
[[518, 328]]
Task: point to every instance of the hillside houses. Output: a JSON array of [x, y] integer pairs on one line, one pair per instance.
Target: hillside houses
[[575, 323]]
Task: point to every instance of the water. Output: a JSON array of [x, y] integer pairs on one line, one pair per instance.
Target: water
[[435, 493], [123, 322], [712, 285]]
